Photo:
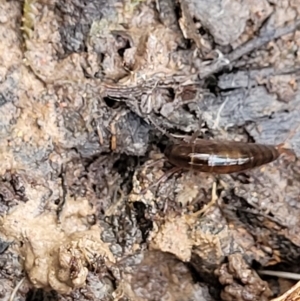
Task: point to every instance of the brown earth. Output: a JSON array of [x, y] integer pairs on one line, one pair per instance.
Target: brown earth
[[91, 93]]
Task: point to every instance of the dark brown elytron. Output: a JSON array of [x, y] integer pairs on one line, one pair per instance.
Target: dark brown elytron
[[222, 157]]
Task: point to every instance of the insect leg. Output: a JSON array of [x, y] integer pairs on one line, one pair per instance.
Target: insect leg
[[155, 162], [163, 178]]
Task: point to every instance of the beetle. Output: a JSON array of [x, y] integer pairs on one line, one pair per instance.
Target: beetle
[[222, 157]]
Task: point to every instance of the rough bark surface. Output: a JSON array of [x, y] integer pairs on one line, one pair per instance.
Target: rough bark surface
[[91, 93]]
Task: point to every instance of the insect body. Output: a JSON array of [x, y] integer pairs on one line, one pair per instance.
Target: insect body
[[222, 157]]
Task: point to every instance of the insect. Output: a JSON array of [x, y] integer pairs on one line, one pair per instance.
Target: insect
[[222, 157]]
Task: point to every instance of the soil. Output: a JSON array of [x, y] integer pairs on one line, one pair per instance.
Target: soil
[[91, 93]]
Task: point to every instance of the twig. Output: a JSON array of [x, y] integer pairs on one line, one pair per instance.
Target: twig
[[291, 294], [13, 294], [216, 124], [279, 274], [264, 37]]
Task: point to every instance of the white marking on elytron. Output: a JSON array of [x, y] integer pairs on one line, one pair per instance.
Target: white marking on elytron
[[214, 160]]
